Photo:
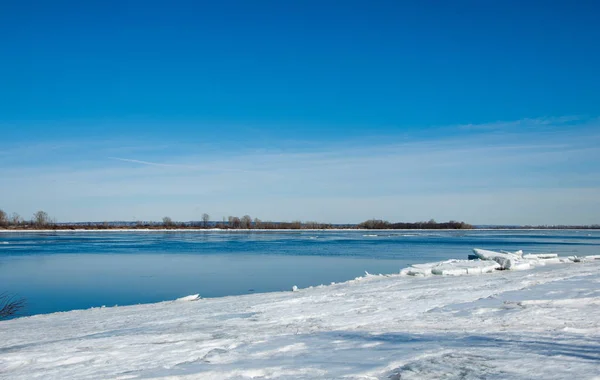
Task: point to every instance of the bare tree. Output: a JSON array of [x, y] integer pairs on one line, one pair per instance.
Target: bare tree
[[205, 219], [312, 225], [257, 223], [234, 222], [3, 218], [246, 221], [10, 305], [41, 219], [16, 219], [167, 222]]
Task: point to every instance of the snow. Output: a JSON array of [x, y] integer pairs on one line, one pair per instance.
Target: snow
[[451, 268], [542, 323], [579, 259], [193, 297], [517, 253], [507, 260], [540, 256]]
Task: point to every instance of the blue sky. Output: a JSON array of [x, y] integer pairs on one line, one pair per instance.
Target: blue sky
[[483, 111]]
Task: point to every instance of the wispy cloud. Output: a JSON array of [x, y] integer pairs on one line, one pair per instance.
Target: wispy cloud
[[146, 162], [523, 123]]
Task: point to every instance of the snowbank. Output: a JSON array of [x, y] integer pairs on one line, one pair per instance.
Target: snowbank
[[509, 325]]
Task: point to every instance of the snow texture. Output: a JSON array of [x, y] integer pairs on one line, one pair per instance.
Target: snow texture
[[451, 267], [542, 323], [540, 256], [583, 259], [193, 297]]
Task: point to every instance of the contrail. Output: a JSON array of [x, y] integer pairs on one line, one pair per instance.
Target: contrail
[[145, 162]]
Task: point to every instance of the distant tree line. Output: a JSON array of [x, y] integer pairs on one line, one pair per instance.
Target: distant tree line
[[246, 222], [550, 227], [378, 224], [41, 220]]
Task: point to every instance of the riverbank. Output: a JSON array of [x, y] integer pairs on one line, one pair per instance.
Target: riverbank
[[505, 324]]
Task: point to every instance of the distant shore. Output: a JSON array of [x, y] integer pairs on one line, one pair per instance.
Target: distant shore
[[245, 230], [42, 222]]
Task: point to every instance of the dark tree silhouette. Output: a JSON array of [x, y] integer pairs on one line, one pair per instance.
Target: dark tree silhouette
[[41, 219], [246, 221], [3, 218], [16, 219], [205, 220]]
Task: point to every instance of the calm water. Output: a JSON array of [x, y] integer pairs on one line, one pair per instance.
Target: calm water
[[66, 270]]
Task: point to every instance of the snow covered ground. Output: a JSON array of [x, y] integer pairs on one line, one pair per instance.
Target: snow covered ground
[[539, 323]]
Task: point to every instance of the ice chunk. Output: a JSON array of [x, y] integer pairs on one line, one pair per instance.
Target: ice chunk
[[422, 269], [448, 270], [542, 262], [460, 267], [506, 260], [540, 256], [411, 271], [520, 266], [451, 268], [193, 297], [516, 253], [580, 259]]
